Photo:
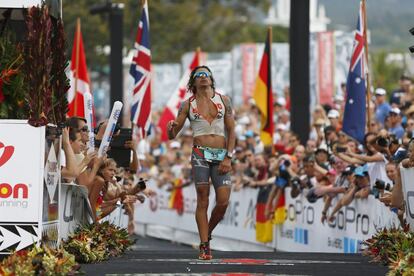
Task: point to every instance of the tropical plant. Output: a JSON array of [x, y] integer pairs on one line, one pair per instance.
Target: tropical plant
[[38, 64], [393, 247], [58, 78], [12, 84], [97, 242], [39, 261]]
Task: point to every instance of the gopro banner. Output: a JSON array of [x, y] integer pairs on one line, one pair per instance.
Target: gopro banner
[[407, 176], [235, 232], [303, 231]]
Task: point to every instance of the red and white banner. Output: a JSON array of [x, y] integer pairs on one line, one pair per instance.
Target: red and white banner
[[326, 67], [79, 78], [179, 95], [248, 70]]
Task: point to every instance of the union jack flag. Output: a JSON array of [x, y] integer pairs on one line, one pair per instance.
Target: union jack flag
[[141, 72], [355, 106]]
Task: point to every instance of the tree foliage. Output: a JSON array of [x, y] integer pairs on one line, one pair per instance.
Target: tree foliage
[[176, 26], [385, 74]]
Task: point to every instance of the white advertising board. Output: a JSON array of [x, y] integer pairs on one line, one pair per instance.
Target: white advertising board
[[21, 183], [238, 223], [19, 3], [407, 176], [74, 209], [304, 232]]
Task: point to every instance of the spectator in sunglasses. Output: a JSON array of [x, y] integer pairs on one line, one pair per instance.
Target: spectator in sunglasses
[[79, 124]]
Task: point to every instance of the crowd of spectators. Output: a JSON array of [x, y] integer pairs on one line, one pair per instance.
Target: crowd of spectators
[[329, 165], [107, 184]]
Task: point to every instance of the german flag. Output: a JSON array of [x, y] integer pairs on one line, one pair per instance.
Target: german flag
[[176, 200], [280, 212], [263, 93], [264, 227]]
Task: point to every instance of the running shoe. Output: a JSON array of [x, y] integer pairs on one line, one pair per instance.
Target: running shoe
[[205, 251]]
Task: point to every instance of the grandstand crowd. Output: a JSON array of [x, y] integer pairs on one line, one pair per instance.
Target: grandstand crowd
[[330, 164]]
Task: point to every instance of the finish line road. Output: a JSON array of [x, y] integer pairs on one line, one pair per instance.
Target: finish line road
[[151, 256]]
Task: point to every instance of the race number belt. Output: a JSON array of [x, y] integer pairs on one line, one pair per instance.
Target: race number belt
[[213, 154]]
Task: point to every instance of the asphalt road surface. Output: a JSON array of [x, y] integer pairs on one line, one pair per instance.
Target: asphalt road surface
[[152, 256]]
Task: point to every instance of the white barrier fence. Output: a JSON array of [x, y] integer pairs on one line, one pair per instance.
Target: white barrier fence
[[407, 176], [75, 209], [302, 230]]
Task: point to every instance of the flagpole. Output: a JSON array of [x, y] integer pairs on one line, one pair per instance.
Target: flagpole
[[198, 55], [368, 90], [78, 28], [270, 66]]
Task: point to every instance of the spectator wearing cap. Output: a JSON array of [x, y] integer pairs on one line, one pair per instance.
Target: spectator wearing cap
[[398, 96], [359, 188], [280, 104], [333, 116], [316, 132], [382, 107], [319, 113], [395, 123]]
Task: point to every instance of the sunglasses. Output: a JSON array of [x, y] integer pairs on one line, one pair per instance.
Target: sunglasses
[[201, 74], [84, 129]]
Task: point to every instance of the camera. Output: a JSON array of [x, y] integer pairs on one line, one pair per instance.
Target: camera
[[340, 149], [348, 170], [286, 163], [381, 185], [283, 173], [142, 185], [382, 142], [296, 182], [296, 187]]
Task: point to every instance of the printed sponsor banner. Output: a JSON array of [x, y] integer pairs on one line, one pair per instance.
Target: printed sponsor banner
[[21, 171], [407, 176], [20, 3], [304, 232], [326, 64], [22, 160], [74, 210], [51, 184], [249, 74], [238, 223]]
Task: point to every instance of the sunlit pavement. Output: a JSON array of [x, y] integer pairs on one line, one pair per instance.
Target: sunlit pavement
[[157, 257]]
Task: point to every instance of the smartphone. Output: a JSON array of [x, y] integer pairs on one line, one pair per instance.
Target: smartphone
[[118, 152], [118, 141], [340, 149]]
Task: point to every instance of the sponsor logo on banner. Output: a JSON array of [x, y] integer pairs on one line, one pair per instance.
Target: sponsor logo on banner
[[51, 174], [352, 245], [410, 204], [348, 218], [301, 235], [6, 153], [11, 195], [354, 223], [326, 67]]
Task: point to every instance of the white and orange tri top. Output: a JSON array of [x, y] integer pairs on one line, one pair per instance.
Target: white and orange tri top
[[200, 125]]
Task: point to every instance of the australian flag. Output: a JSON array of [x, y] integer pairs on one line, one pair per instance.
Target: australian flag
[[141, 72], [355, 106]]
